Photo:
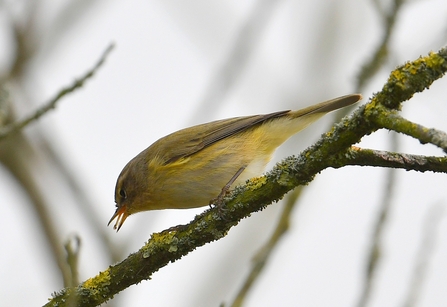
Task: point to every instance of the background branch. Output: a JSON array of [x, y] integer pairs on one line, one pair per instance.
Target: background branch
[[262, 257], [233, 66], [425, 251], [380, 55], [17, 126], [72, 247]]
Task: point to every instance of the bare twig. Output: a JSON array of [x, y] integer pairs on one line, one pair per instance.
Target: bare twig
[[375, 252], [262, 256], [112, 251], [246, 41], [381, 54], [15, 155], [19, 125], [367, 72], [425, 251], [72, 247]]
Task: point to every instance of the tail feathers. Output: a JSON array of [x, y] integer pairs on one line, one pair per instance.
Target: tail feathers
[[328, 106]]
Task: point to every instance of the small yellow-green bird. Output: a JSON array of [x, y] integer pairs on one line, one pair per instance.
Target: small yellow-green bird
[[188, 168]]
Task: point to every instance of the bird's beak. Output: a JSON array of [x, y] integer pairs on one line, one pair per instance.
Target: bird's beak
[[120, 215]]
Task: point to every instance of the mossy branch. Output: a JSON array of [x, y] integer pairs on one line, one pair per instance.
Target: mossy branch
[[393, 121], [380, 158], [169, 246]]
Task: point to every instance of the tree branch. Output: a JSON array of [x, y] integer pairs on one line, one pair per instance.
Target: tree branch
[[19, 125], [212, 225], [370, 157], [393, 121]]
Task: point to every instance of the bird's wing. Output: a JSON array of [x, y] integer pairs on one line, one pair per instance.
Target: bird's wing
[[188, 141]]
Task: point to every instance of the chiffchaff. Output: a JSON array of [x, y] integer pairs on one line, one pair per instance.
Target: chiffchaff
[[188, 168]]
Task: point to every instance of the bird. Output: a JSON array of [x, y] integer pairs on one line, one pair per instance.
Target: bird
[[188, 168]]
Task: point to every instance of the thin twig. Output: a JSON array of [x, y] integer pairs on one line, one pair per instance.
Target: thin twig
[[72, 247], [375, 252], [425, 251], [16, 155], [86, 206], [381, 54], [244, 45], [262, 256], [19, 125]]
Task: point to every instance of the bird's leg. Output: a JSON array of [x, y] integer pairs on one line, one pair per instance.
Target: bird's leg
[[218, 201]]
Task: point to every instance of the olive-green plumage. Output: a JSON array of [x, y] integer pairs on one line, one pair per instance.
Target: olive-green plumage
[[188, 168]]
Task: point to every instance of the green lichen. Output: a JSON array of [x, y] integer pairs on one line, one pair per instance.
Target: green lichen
[[173, 247], [97, 282], [412, 77], [256, 183], [96, 288]]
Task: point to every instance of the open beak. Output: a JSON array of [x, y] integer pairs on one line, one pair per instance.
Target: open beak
[[120, 215]]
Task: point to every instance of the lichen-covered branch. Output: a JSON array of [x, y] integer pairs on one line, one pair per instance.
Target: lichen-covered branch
[[380, 158], [411, 78], [393, 121], [213, 224]]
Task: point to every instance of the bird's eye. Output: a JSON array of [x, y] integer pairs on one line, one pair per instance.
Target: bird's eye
[[123, 193]]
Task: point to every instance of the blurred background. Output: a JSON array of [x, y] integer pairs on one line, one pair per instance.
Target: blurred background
[[180, 63]]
